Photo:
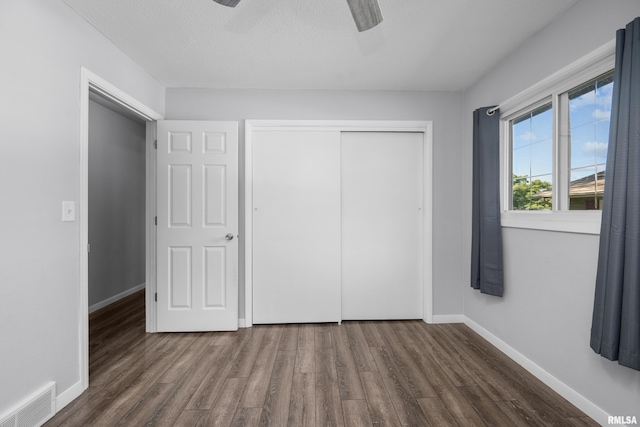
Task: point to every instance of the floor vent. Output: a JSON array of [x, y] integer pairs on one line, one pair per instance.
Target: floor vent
[[34, 411]]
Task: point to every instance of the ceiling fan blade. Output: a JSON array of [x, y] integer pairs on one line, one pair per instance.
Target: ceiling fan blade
[[230, 3], [366, 13]]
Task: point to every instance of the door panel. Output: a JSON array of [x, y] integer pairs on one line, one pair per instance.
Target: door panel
[[180, 196], [382, 225], [180, 277], [197, 208], [214, 276], [296, 223], [215, 186]]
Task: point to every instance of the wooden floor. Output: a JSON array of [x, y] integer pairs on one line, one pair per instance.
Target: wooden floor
[[356, 374]]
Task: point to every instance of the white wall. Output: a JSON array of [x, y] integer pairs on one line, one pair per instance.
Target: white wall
[[43, 44], [550, 277], [116, 203], [440, 107]]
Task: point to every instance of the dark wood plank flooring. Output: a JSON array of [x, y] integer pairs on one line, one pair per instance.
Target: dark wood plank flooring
[[386, 373]]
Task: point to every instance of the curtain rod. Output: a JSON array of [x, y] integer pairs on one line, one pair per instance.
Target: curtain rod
[[491, 111]]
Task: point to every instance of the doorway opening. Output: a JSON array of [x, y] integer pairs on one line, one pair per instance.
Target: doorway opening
[[103, 97], [116, 222]]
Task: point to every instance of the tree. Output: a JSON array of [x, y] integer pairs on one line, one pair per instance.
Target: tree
[[523, 193]]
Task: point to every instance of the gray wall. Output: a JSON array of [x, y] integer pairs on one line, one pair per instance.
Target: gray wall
[[441, 107], [44, 43], [550, 277], [545, 313], [116, 203]]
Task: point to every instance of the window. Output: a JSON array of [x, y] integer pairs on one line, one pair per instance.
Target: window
[[585, 112], [555, 138], [589, 114], [532, 159]]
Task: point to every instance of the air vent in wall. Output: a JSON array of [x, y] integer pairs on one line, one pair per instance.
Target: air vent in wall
[[33, 411]]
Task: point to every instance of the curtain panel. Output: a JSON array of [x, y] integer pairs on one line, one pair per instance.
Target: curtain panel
[[486, 230], [615, 329]]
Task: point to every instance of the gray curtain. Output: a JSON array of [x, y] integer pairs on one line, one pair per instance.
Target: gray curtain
[[615, 329], [486, 231]]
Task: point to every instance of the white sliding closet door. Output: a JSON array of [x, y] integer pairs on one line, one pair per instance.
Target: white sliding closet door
[[296, 223], [382, 225]]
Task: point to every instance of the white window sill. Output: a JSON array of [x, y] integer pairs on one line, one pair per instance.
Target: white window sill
[[586, 222]]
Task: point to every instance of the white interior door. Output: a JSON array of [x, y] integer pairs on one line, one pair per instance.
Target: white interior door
[[382, 225], [197, 243], [296, 223]]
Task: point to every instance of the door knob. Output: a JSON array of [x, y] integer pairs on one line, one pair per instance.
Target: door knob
[[229, 236]]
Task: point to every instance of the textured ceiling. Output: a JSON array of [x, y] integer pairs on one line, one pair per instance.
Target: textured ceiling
[[443, 45]]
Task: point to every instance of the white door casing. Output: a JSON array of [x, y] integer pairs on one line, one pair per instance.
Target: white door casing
[[382, 226], [90, 81], [197, 229]]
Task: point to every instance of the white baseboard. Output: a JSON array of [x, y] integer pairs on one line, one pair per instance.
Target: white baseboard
[[242, 323], [447, 318], [558, 386], [111, 300], [68, 396]]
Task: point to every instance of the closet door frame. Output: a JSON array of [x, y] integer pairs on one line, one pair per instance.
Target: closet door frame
[[424, 127]]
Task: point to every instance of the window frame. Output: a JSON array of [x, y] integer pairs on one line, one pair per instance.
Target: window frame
[[551, 89]]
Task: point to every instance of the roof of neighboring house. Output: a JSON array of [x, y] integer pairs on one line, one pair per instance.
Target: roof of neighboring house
[[580, 187]]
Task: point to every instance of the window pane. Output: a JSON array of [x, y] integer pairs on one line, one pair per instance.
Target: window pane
[[584, 145], [542, 123], [602, 137], [586, 188], [521, 134], [522, 161], [542, 158], [532, 159], [532, 194], [589, 115]]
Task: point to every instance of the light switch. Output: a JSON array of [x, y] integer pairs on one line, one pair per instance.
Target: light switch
[[68, 211]]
